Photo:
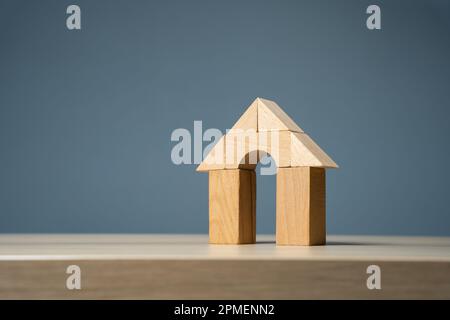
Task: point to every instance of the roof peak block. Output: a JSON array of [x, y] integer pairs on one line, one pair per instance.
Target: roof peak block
[[266, 115], [293, 148], [272, 118], [249, 119]]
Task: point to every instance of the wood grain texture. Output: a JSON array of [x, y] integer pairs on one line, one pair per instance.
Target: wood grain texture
[[231, 279], [244, 149], [265, 127], [272, 118], [249, 119], [215, 159], [287, 148], [232, 206], [118, 266], [300, 206], [15, 247], [306, 153], [278, 145], [241, 149]]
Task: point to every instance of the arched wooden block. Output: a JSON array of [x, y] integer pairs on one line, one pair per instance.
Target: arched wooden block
[[265, 127]]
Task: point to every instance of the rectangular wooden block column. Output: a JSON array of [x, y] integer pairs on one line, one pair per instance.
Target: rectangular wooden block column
[[301, 206], [232, 206]]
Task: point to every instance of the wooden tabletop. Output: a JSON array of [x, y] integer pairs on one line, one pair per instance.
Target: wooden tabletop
[[33, 266], [157, 247]]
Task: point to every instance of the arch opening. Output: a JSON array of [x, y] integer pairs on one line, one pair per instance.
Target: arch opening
[[258, 158], [299, 194], [265, 170]]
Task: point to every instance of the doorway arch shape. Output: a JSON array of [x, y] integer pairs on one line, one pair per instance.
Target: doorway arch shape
[[265, 128]]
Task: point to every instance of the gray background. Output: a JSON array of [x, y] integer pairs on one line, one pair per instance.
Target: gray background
[[86, 116]]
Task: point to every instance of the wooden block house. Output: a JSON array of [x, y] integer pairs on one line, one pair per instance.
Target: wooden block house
[[300, 200]]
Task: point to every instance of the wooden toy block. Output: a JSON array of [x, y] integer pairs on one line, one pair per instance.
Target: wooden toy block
[[241, 148], [306, 153], [232, 206], [300, 206], [249, 120], [244, 149], [300, 210], [215, 160], [278, 145], [271, 117]]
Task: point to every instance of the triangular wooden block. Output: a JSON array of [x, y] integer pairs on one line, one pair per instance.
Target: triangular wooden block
[[215, 160], [306, 153], [249, 120], [272, 118], [290, 147]]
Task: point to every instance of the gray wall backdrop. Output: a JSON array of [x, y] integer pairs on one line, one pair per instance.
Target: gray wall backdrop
[[86, 116]]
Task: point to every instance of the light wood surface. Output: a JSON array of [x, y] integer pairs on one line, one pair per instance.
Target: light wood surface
[[232, 206], [196, 247], [187, 267], [278, 145], [215, 159], [272, 118], [274, 132], [300, 206], [249, 119], [306, 153], [240, 149]]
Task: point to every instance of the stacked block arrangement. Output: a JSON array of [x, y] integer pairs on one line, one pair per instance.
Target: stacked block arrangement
[[265, 129]]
